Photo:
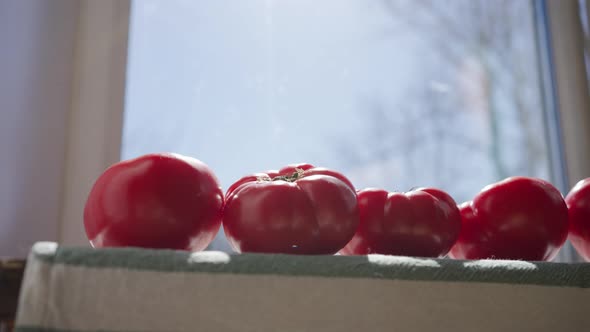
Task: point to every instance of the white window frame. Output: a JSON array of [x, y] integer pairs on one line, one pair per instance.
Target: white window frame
[[95, 123], [571, 86], [97, 106]]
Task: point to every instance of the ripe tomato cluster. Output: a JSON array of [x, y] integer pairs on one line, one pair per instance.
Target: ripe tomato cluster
[[171, 201]]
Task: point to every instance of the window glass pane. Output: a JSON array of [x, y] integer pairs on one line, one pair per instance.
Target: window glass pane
[[394, 94]]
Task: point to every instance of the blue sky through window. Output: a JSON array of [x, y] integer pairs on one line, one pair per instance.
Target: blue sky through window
[[394, 94]]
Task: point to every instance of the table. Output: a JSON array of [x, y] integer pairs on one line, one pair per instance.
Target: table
[[129, 289]]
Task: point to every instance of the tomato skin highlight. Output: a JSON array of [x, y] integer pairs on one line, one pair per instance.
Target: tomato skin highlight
[[424, 222], [578, 202], [517, 218], [299, 209], [161, 201]]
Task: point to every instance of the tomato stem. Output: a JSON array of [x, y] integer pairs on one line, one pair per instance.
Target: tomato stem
[[264, 178], [298, 174]]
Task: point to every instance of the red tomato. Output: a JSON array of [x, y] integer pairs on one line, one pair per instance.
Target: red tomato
[[155, 201], [423, 222], [300, 209], [517, 218], [578, 202]]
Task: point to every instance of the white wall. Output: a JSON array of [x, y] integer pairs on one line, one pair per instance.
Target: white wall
[[36, 52]]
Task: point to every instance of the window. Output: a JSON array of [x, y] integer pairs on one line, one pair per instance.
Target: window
[[394, 94], [378, 90]]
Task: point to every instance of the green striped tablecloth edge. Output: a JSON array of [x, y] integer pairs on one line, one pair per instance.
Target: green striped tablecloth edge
[[372, 266]]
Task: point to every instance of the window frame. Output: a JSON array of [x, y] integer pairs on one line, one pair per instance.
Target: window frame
[[99, 95], [570, 86], [95, 121]]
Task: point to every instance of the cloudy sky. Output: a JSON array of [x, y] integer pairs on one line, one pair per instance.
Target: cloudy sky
[[247, 86]]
